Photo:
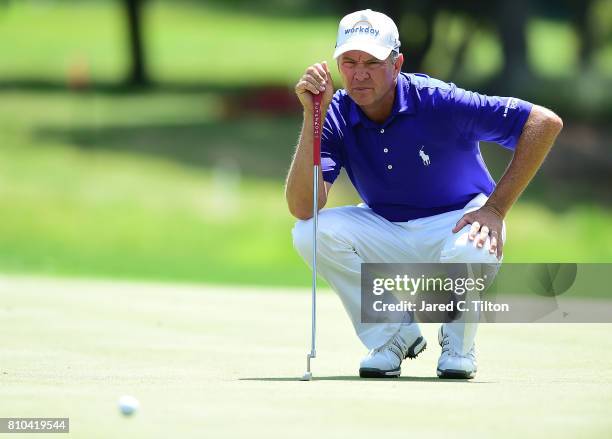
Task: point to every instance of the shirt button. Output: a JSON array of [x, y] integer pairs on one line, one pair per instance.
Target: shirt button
[[382, 131], [386, 150], [389, 166]]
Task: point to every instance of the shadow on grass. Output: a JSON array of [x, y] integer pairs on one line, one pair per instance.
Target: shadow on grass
[[257, 127], [120, 89], [559, 94], [356, 378], [262, 146], [258, 146]]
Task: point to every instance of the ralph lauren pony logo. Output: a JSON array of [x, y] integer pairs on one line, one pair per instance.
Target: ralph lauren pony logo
[[424, 157]]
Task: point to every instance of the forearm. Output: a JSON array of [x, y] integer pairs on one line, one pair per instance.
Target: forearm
[[539, 134], [299, 185]]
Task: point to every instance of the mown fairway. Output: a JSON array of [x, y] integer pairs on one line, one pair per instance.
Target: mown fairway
[[224, 362]]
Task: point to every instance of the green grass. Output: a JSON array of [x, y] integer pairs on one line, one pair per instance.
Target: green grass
[[185, 43], [153, 186], [220, 362], [87, 210], [236, 47], [53, 37]]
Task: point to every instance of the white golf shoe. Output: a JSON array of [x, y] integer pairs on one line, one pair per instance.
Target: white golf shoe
[[386, 360], [453, 364]]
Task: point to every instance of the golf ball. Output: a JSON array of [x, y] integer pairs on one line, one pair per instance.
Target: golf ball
[[128, 404]]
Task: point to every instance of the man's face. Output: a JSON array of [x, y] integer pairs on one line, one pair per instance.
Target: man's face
[[366, 78]]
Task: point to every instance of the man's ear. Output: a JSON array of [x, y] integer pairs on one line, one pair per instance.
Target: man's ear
[[398, 64]]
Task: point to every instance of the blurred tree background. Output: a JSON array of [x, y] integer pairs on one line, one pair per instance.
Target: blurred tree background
[[150, 138]]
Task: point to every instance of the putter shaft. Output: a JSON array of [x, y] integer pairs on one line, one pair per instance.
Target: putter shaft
[[316, 159], [315, 214]]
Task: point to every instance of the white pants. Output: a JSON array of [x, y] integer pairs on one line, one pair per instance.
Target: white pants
[[351, 235]]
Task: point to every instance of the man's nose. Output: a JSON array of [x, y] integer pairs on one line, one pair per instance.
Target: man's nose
[[361, 75]]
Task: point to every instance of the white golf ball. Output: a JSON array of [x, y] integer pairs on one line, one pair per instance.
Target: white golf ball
[[128, 404]]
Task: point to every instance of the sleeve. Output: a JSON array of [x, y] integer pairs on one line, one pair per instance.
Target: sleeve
[[489, 118], [331, 146]]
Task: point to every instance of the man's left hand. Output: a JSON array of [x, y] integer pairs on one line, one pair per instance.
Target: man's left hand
[[485, 222]]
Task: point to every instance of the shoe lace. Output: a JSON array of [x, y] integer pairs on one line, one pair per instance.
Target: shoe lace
[[394, 345], [446, 347]]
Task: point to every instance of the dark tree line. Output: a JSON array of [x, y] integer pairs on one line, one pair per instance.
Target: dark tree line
[[508, 17]]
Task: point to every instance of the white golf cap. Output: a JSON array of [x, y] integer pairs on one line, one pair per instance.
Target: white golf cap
[[369, 31]]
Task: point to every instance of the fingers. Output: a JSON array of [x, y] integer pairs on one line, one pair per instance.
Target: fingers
[[481, 238], [500, 248], [314, 80], [316, 75], [493, 245], [478, 233], [327, 72], [461, 224], [318, 71], [307, 83], [497, 244], [474, 230]]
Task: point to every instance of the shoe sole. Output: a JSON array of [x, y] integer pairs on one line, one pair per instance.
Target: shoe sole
[[417, 347], [368, 372], [413, 351], [453, 374]]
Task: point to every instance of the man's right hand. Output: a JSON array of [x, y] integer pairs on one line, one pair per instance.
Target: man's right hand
[[315, 80]]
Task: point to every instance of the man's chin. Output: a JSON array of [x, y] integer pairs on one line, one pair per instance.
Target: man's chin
[[362, 98]]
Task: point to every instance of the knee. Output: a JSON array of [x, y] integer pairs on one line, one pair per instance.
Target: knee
[[330, 223], [461, 250], [302, 237]]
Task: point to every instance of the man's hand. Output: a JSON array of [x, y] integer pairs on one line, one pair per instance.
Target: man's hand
[[485, 222], [315, 80], [298, 189]]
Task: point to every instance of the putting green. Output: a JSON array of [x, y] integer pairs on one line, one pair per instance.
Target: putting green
[[225, 362]]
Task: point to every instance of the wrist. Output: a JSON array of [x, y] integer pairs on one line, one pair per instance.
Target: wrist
[[496, 209]]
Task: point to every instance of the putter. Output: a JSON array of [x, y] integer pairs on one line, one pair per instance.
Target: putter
[[316, 159]]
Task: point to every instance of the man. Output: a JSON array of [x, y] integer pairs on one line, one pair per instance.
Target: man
[[409, 144]]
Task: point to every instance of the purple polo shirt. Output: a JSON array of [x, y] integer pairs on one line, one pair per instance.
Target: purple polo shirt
[[425, 158]]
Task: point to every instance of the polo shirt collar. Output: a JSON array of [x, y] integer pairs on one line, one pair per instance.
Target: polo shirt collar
[[403, 103]]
